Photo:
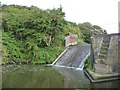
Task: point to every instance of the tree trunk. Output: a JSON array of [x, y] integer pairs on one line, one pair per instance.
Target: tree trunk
[[48, 40]]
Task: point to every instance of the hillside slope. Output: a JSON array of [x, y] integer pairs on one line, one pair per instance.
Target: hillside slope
[[30, 34]]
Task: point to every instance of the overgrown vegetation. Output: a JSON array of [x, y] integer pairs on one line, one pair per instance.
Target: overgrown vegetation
[[30, 34], [88, 63]]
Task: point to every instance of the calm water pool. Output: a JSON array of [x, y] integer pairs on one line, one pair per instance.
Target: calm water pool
[[40, 76]]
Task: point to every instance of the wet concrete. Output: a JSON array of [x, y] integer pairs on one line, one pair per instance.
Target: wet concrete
[[74, 56]]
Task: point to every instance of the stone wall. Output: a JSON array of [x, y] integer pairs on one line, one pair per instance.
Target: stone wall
[[106, 49]]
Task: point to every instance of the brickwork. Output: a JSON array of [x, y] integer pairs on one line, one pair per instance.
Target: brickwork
[[71, 40]]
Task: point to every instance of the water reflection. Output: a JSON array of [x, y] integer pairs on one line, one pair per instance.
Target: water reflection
[[37, 76], [108, 84], [73, 78]]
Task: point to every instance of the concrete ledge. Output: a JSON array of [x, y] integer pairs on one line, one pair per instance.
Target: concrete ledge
[[60, 55], [103, 78]]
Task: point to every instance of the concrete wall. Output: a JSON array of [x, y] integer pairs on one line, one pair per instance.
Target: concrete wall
[[113, 54]]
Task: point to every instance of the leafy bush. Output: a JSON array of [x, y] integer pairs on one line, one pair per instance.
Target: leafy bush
[[35, 35]]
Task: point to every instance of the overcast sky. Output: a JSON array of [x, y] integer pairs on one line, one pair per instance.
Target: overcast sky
[[98, 12]]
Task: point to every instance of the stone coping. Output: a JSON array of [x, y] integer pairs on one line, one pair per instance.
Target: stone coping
[[97, 77], [113, 34]]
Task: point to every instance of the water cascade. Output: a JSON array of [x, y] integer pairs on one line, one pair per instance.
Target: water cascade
[[73, 56]]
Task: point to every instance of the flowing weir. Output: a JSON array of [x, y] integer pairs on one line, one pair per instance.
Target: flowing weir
[[73, 56]]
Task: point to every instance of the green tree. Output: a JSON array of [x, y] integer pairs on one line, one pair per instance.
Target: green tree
[[36, 35], [88, 30]]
